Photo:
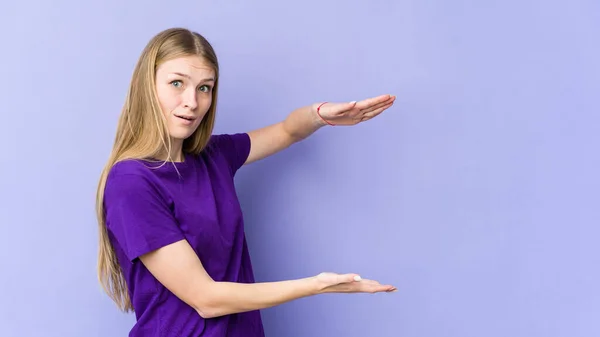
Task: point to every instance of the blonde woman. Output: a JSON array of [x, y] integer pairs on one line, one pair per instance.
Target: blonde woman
[[172, 246]]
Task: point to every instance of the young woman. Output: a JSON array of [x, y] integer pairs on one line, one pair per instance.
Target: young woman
[[172, 246]]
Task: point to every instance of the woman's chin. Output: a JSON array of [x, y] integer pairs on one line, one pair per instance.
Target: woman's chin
[[181, 134]]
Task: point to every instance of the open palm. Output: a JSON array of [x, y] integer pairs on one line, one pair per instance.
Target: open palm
[[354, 112], [350, 283]]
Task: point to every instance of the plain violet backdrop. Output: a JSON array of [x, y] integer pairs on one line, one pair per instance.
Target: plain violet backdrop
[[476, 194]]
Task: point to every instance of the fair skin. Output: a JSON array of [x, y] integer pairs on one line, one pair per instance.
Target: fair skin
[[184, 88]]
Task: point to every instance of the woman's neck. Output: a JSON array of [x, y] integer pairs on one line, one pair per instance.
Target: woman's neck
[[176, 154]]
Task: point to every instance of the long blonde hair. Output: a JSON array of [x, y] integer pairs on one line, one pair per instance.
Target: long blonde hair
[[142, 133]]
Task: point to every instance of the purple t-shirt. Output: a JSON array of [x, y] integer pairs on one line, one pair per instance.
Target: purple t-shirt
[[148, 208]]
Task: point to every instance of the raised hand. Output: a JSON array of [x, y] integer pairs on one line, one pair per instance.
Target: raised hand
[[354, 112], [349, 283]]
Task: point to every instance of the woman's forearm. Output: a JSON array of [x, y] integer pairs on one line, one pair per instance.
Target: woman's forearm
[[303, 122], [229, 298]]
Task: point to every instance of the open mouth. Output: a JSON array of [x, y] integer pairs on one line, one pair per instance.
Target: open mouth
[[187, 118]]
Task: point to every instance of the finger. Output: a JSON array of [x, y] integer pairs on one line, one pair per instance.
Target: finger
[[378, 288], [338, 108], [374, 113], [372, 286], [349, 278], [386, 103], [373, 101], [370, 282], [345, 107]]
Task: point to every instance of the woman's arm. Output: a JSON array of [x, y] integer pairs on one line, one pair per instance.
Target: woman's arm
[[271, 139], [179, 269], [304, 121]]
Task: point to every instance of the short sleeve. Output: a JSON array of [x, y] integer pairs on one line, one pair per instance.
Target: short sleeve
[[138, 215], [234, 147]]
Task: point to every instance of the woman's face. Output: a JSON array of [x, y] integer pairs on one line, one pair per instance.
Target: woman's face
[[184, 87]]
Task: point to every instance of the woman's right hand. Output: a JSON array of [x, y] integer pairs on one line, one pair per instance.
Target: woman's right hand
[[349, 283]]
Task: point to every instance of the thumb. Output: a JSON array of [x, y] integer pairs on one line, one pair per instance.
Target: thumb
[[348, 106], [349, 278], [342, 107]]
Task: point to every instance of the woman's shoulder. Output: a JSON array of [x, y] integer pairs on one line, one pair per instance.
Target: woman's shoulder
[[135, 173], [225, 140], [133, 178], [234, 147], [136, 167]]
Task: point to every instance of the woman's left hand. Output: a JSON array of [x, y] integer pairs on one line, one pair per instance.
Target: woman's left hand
[[354, 112]]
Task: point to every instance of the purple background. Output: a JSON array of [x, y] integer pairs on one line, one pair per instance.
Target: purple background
[[476, 194]]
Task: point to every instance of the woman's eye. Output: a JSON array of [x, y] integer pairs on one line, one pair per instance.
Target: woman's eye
[[204, 88], [176, 83]]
